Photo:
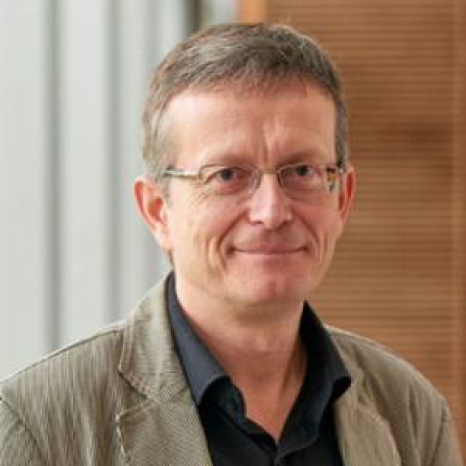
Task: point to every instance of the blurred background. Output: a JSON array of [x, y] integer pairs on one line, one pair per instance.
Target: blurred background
[[73, 253]]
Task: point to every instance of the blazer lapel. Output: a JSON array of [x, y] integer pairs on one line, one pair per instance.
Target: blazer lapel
[[363, 435], [159, 424], [167, 434]]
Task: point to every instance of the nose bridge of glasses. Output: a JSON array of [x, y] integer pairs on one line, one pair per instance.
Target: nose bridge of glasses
[[260, 173]]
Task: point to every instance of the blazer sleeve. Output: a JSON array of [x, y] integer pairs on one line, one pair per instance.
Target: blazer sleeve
[[447, 450], [17, 445]]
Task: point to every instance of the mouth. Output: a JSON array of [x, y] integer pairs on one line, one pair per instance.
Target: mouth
[[270, 251]]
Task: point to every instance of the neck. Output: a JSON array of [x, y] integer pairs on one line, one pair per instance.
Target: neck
[[260, 349]]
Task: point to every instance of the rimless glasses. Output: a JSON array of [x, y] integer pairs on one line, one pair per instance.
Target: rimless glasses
[[298, 180]]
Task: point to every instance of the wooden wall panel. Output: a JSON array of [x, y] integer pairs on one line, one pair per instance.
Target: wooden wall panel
[[253, 10], [398, 275]]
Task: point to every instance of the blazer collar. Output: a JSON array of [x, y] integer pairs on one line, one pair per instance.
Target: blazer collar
[[363, 434], [148, 358], [160, 426]]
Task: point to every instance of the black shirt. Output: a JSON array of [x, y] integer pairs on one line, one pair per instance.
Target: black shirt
[[308, 437]]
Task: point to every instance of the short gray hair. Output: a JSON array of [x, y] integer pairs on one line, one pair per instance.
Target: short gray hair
[[253, 57]]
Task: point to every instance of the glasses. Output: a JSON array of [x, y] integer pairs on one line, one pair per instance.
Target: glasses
[[299, 180]]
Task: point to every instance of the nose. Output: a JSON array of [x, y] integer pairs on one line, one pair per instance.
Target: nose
[[269, 205]]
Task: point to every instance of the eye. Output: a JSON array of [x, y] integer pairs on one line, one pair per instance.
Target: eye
[[300, 170], [226, 179], [303, 170], [228, 174], [301, 177]]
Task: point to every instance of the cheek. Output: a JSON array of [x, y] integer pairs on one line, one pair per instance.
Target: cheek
[[331, 233], [324, 226], [215, 226], [203, 227]]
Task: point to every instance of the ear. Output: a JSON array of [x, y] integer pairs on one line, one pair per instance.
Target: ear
[[152, 207], [346, 194]]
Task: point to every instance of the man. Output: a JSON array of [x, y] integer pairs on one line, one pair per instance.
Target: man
[[248, 188]]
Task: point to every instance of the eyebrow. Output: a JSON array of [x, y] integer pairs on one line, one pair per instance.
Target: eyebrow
[[312, 156], [237, 158], [225, 158]]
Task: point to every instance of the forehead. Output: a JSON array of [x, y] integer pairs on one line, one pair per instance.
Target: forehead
[[227, 123]]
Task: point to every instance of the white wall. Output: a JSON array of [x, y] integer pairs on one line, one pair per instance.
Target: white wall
[[73, 253]]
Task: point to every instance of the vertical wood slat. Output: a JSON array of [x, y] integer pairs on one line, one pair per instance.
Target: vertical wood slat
[[460, 188], [134, 246], [85, 184], [398, 274], [24, 149], [53, 171], [147, 30]]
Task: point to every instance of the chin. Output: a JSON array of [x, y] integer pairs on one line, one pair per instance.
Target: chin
[[272, 289]]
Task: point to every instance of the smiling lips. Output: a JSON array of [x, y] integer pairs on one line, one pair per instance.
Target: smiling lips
[[272, 245], [271, 250]]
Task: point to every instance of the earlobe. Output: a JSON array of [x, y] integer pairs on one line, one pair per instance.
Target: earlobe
[[151, 206]]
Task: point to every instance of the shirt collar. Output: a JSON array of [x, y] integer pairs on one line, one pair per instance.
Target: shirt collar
[[325, 366]]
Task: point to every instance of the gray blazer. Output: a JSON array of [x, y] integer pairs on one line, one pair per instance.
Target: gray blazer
[[121, 398]]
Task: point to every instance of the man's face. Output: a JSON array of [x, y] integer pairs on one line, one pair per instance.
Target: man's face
[[266, 247]]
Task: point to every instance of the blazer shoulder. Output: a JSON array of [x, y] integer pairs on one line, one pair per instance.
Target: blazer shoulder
[[388, 381], [66, 403], [81, 365], [375, 360], [414, 410]]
